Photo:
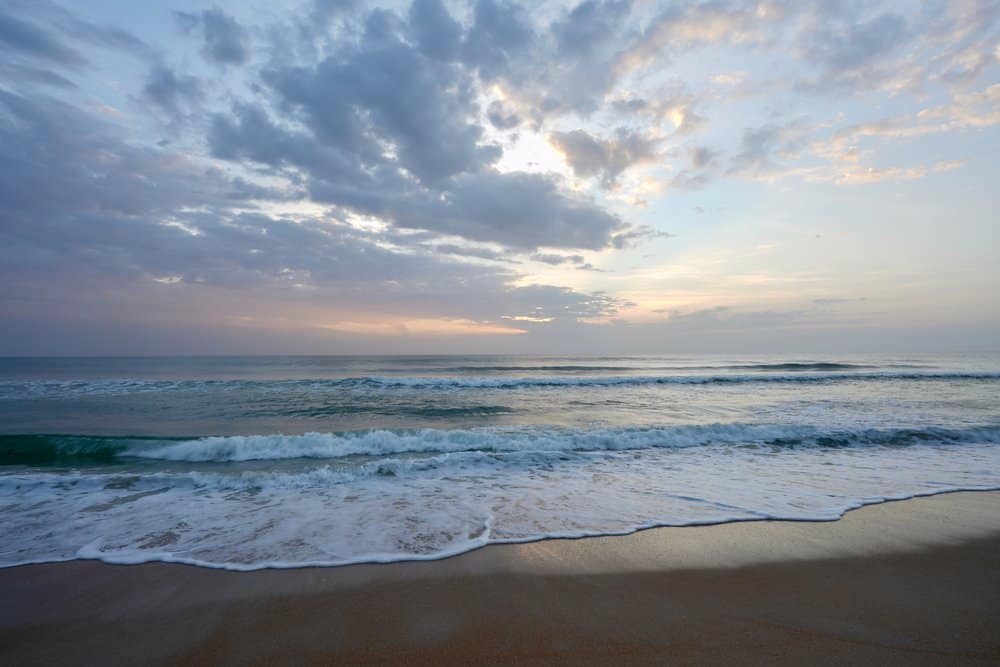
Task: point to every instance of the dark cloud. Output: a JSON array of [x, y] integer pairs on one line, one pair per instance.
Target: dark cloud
[[187, 22], [702, 157], [170, 90], [104, 36], [519, 210], [85, 212], [762, 148], [636, 235], [34, 41], [433, 29], [36, 31], [846, 50], [556, 260], [385, 95], [501, 31], [605, 158], [381, 128], [390, 121], [589, 24], [14, 72], [250, 134], [58, 160], [323, 11], [566, 65], [501, 116], [468, 251], [544, 301], [673, 102], [757, 145], [685, 179], [225, 41]]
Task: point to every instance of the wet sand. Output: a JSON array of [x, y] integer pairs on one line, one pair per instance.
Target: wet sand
[[913, 582]]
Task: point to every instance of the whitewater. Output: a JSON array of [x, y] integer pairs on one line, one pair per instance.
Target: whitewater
[[251, 462]]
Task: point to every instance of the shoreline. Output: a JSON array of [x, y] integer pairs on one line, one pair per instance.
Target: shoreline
[[377, 560], [898, 582]]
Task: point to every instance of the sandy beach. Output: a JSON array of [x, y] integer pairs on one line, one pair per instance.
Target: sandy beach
[[908, 582]]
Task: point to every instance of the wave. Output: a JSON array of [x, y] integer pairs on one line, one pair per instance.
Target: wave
[[567, 368], [383, 408], [639, 380], [807, 366], [12, 390], [43, 450], [787, 366]]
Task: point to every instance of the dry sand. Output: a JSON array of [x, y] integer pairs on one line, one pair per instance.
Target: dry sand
[[906, 583]]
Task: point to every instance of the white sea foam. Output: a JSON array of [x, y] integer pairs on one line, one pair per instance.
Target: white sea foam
[[396, 508], [529, 439], [381, 442]]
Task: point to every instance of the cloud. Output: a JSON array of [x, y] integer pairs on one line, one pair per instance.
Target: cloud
[[702, 157], [761, 147], [86, 214], [500, 31], [684, 26], [33, 41], [548, 69], [380, 128], [383, 96], [62, 160], [605, 158], [969, 110], [323, 11], [470, 251], [434, 31], [842, 48], [556, 260], [501, 116], [362, 168], [636, 235], [42, 44], [975, 109], [170, 90], [966, 40], [86, 32], [589, 23], [519, 210], [674, 102], [26, 74], [225, 41]]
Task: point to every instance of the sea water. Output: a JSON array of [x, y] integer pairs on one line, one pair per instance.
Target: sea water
[[251, 462]]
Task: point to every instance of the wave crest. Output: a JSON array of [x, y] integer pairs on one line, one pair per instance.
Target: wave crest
[[67, 450]]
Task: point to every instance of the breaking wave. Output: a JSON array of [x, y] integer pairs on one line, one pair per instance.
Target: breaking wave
[[42, 450]]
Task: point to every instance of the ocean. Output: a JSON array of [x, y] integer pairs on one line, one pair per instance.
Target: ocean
[[252, 462]]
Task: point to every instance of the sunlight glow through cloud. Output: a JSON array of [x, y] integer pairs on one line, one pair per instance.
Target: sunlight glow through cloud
[[429, 169]]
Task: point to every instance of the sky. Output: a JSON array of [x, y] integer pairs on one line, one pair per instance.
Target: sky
[[598, 177]]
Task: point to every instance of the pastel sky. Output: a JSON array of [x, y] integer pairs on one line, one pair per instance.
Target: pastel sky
[[338, 176]]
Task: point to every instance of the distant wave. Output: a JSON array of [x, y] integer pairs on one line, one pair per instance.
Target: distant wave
[[808, 366], [42, 450], [15, 389], [638, 380], [420, 409], [569, 368]]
